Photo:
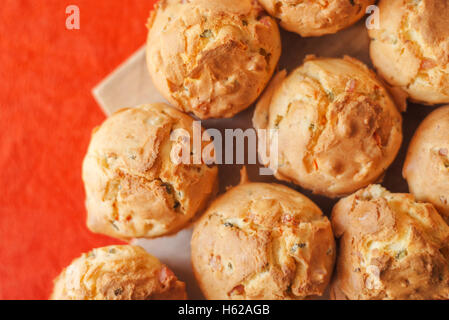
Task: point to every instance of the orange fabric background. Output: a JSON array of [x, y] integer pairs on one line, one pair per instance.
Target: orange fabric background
[[46, 115]]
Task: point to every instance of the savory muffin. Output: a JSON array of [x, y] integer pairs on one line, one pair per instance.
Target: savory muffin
[[338, 129], [426, 167], [411, 48], [117, 273], [136, 185], [391, 247], [311, 18], [211, 58], [262, 241]]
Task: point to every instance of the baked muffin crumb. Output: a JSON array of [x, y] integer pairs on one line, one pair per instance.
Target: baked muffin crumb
[[134, 189], [311, 18], [211, 58], [411, 48], [338, 127], [262, 241], [117, 273], [426, 166], [390, 247]]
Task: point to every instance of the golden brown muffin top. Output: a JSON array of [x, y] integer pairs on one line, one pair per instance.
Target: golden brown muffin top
[[263, 241], [426, 166], [211, 57], [316, 18], [411, 47], [338, 128], [391, 247], [117, 273], [133, 186]]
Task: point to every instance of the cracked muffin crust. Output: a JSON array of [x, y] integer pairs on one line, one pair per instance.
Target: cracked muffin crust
[[390, 247], [338, 128], [411, 48], [133, 188], [311, 18], [211, 58], [426, 166], [262, 241], [117, 273]]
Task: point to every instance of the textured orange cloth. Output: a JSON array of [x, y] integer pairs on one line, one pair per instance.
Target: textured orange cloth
[[46, 115]]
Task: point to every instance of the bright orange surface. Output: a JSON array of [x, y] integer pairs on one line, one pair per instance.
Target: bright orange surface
[[46, 115]]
